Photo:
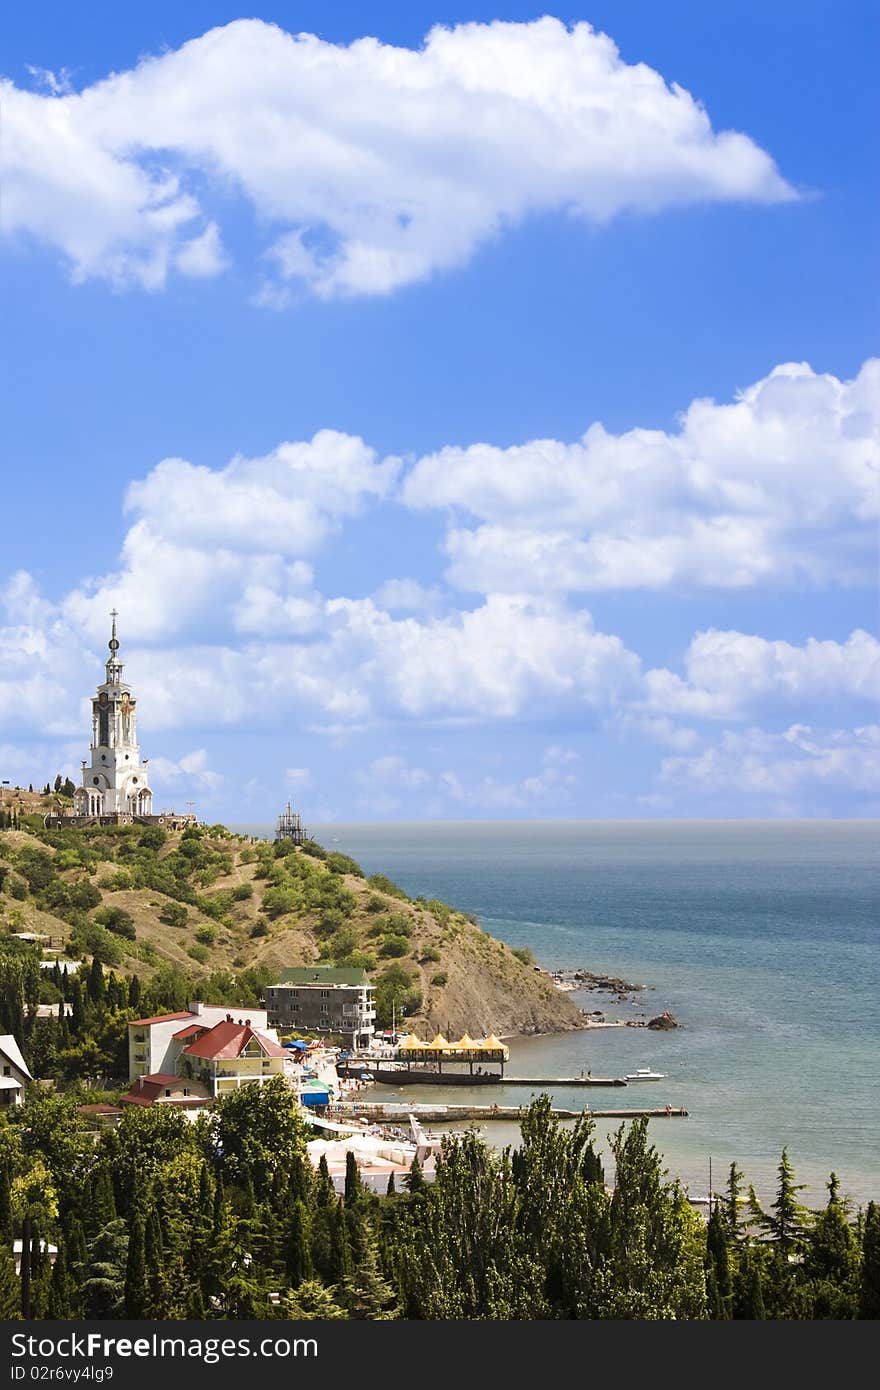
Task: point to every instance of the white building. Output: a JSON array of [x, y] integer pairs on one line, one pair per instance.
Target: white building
[[13, 1071], [115, 781], [155, 1044]]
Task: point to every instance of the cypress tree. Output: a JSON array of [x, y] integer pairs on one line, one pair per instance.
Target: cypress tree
[[77, 1008], [101, 1210], [159, 1300], [134, 991], [60, 1306], [748, 1296], [195, 1305], [96, 985], [390, 1189], [353, 1186], [325, 1194], [135, 1267], [10, 1292], [6, 1224], [718, 1265], [340, 1247], [299, 1251], [414, 1181], [869, 1289]]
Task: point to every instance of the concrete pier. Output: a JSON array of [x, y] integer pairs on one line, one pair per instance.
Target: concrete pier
[[445, 1114]]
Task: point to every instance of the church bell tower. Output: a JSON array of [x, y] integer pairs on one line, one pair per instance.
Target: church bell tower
[[114, 781]]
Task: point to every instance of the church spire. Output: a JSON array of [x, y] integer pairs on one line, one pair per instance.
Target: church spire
[[114, 665]]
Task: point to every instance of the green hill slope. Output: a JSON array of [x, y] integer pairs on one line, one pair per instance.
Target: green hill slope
[[203, 902]]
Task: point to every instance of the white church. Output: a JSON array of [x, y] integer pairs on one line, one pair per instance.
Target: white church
[[115, 782], [115, 787]]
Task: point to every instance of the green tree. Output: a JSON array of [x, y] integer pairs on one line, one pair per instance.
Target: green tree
[[832, 1261], [869, 1287], [135, 1268]]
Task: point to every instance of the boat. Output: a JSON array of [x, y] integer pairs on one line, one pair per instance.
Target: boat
[[645, 1074]]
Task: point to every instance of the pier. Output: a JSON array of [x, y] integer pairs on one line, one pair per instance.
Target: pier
[[392, 1112], [565, 1081]]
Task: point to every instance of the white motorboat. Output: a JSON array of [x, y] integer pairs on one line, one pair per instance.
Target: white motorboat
[[645, 1074]]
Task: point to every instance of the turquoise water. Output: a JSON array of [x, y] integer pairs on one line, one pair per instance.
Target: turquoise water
[[761, 938]]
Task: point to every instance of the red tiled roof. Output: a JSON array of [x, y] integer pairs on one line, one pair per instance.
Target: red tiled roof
[[192, 1030], [97, 1109], [160, 1078], [159, 1018], [228, 1040], [178, 1102]]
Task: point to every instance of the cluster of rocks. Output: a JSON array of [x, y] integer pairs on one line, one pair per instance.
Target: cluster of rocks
[[586, 979], [663, 1021]]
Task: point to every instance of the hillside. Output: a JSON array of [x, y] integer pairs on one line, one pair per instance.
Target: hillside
[[204, 902]]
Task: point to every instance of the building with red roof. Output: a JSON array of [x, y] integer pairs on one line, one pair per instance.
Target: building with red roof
[[232, 1054], [155, 1044]]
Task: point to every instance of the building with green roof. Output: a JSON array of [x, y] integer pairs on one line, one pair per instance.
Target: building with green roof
[[324, 999]]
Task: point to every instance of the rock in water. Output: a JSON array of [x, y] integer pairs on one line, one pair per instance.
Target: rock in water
[[664, 1020]]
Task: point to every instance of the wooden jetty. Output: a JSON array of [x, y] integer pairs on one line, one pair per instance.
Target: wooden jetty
[[440, 1114], [564, 1081]]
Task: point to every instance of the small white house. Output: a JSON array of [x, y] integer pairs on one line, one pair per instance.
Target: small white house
[[13, 1071]]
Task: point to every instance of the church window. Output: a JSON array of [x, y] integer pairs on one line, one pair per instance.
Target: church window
[[96, 780], [134, 779]]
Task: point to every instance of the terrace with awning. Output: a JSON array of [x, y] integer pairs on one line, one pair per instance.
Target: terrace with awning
[[478, 1052]]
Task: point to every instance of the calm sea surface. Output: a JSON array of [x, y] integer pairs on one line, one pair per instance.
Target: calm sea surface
[[761, 938]]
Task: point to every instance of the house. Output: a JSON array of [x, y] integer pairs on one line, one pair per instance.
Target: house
[[154, 1044], [162, 1089], [13, 1071], [324, 999], [231, 1055]]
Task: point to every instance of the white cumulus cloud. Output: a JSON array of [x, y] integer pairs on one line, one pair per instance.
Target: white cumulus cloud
[[782, 486], [368, 166]]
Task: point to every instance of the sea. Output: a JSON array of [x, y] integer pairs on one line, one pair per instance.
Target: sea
[[761, 938]]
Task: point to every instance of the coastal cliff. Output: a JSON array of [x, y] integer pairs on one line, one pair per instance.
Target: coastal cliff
[[207, 903]]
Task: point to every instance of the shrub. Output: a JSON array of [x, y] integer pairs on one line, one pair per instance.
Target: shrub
[[360, 960], [199, 953], [37, 868], [174, 915], [96, 941], [117, 920], [16, 887], [400, 924], [260, 929], [393, 946], [314, 849], [329, 922], [207, 935], [343, 864], [439, 979], [280, 900], [384, 885], [154, 837], [242, 891], [524, 954], [395, 988], [84, 895], [430, 953], [375, 904]]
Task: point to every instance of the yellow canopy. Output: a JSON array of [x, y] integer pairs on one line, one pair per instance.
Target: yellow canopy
[[493, 1044], [411, 1042], [465, 1043], [439, 1044]]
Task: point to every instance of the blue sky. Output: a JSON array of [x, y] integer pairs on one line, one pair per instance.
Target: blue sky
[[482, 425]]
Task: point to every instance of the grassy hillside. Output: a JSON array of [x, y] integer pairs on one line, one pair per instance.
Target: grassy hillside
[[143, 900]]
